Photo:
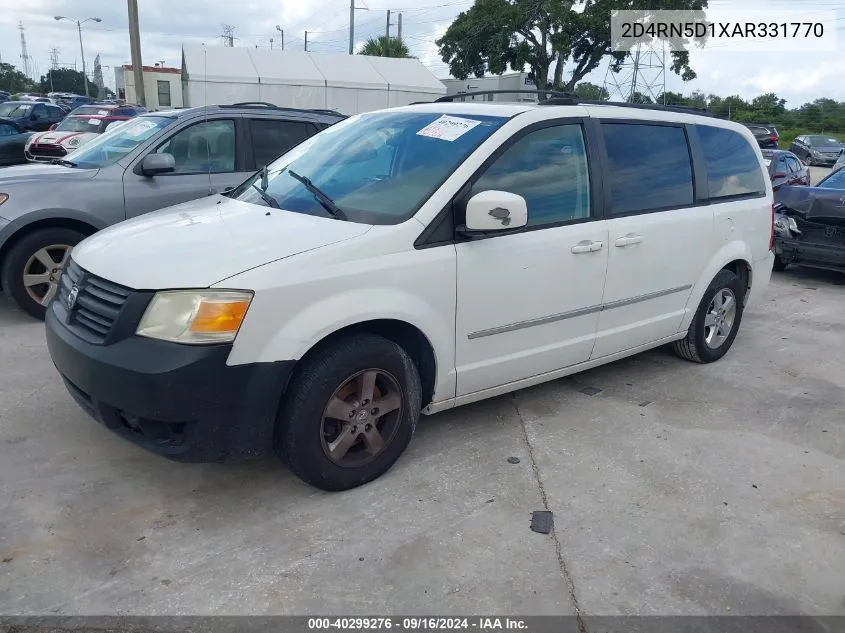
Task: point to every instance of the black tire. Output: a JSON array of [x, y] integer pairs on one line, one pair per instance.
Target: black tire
[[694, 347], [779, 265], [299, 431], [16, 259]]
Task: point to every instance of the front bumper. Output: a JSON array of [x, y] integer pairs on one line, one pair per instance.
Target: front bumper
[[179, 401]]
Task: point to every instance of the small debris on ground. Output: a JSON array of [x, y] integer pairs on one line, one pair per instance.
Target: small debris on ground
[[140, 538], [590, 391], [645, 403], [753, 485], [490, 501], [542, 521], [8, 559], [513, 460]]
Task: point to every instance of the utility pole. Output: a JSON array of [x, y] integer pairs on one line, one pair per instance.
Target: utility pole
[[399, 27], [387, 27], [135, 50], [351, 25], [306, 41], [281, 36]]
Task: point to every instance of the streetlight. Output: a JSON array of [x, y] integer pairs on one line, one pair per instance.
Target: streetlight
[[81, 51], [279, 29]]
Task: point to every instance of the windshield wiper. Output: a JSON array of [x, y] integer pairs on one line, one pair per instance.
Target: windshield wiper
[[270, 200], [63, 161], [328, 204]]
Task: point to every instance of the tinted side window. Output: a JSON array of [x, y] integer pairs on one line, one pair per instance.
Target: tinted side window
[[649, 167], [271, 139], [7, 130], [732, 165], [793, 164], [207, 147], [40, 111], [547, 167]]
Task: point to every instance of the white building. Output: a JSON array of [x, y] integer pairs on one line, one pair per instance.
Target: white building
[[162, 86], [346, 83], [508, 81]]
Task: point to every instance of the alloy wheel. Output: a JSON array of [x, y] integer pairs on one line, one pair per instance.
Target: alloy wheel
[[43, 270], [361, 418], [720, 317]]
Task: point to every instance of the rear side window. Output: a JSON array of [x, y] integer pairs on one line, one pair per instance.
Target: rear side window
[[649, 167], [271, 138], [732, 166]]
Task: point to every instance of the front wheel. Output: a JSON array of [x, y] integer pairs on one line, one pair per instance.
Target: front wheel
[[350, 412], [33, 267], [716, 321]]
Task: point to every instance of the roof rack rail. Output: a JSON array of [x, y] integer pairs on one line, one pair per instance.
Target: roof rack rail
[[324, 111], [475, 93], [273, 106], [640, 106], [263, 104]]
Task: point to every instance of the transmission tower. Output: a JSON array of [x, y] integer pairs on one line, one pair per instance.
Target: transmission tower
[[228, 35], [642, 72], [25, 58], [54, 58]]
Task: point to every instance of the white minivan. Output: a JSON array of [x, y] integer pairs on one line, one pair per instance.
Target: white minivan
[[413, 260]]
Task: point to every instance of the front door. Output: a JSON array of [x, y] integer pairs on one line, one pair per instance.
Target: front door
[[206, 160], [528, 302], [659, 242]]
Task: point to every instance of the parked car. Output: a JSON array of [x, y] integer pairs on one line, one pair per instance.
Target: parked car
[[767, 135], [32, 115], [411, 260], [78, 128], [12, 141], [4, 96], [840, 162], [810, 224], [148, 162], [816, 149], [785, 168]]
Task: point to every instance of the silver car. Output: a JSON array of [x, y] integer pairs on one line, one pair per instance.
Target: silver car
[[150, 162]]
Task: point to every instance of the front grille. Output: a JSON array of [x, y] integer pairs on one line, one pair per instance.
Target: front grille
[[97, 306], [56, 151]]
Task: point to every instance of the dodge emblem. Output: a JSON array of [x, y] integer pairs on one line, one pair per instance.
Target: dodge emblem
[[71, 297]]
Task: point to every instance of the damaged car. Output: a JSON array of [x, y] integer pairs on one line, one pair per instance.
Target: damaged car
[[810, 224]]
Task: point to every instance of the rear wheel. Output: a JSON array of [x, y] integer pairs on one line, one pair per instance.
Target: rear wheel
[[349, 413], [33, 267], [716, 322]]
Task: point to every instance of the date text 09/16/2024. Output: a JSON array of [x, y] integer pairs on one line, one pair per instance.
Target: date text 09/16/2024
[[417, 623]]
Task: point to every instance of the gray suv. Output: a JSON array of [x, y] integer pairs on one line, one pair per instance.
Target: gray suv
[[150, 162]]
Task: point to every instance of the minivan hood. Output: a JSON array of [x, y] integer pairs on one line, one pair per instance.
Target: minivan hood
[[40, 172], [198, 243]]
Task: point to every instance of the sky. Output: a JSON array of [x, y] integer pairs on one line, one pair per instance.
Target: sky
[[798, 77]]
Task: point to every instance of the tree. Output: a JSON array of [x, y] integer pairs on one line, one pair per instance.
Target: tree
[[66, 80], [586, 90], [494, 35], [385, 47], [12, 80]]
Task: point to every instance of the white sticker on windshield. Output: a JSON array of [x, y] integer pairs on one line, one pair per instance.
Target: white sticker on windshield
[[448, 128], [102, 112], [767, 161], [93, 121], [140, 127]]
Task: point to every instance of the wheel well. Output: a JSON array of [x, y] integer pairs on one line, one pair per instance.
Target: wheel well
[[47, 223], [409, 337], [741, 269]]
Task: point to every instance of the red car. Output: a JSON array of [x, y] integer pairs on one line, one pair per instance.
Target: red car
[[77, 128]]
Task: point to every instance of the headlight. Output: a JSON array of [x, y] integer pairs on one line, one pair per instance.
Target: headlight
[[3, 197], [195, 316]]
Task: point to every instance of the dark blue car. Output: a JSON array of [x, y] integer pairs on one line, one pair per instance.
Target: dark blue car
[[34, 116]]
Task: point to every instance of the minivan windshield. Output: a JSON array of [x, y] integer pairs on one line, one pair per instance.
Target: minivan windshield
[[117, 142], [377, 168]]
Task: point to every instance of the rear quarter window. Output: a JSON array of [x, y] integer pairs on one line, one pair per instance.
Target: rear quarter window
[[733, 170]]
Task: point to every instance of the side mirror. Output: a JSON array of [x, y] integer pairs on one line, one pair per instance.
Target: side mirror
[[494, 211], [158, 164]]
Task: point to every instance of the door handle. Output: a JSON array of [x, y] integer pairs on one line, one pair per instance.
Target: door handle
[[629, 240], [587, 246]]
